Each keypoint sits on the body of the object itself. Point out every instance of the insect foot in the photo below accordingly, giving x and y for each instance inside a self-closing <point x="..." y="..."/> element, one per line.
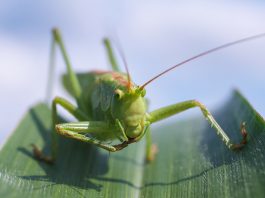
<point x="40" y="156"/>
<point x="121" y="146"/>
<point x="244" y="139"/>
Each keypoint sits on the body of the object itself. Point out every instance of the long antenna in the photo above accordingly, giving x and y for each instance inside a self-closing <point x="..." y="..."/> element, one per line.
<point x="202" y="54"/>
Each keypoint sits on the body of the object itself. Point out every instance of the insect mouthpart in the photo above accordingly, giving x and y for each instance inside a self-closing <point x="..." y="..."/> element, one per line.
<point x="134" y="131"/>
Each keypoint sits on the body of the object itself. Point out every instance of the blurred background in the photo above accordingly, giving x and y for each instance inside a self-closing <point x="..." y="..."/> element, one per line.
<point x="154" y="35"/>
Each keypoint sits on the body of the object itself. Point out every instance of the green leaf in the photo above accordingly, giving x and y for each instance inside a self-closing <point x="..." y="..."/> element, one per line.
<point x="191" y="162"/>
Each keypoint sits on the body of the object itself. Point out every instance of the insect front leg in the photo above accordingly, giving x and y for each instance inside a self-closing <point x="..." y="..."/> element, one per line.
<point x="171" y="110"/>
<point x="75" y="111"/>
<point x="79" y="131"/>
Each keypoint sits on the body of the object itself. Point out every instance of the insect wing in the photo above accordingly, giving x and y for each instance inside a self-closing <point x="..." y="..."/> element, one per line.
<point x="106" y="96"/>
<point x="85" y="80"/>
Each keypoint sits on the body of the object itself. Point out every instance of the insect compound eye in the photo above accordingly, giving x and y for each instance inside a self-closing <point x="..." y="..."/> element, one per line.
<point x="118" y="94"/>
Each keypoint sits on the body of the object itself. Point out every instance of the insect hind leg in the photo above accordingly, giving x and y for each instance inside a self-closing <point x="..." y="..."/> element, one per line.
<point x="111" y="57"/>
<point x="75" y="85"/>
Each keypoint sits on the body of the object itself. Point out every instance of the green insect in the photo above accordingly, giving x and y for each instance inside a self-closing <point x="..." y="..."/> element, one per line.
<point x="111" y="107"/>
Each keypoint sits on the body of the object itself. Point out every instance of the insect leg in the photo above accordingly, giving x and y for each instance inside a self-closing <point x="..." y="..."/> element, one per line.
<point x="78" y="131"/>
<point x="171" y="110"/>
<point x="151" y="149"/>
<point x="111" y="57"/>
<point x="76" y="112"/>
<point x="123" y="137"/>
<point x="74" y="83"/>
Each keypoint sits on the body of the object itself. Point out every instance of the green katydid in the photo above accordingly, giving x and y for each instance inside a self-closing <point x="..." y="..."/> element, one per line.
<point x="112" y="107"/>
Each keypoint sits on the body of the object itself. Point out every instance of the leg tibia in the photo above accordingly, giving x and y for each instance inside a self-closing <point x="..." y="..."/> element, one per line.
<point x="79" y="131"/>
<point x="84" y="138"/>
<point x="219" y="130"/>
<point x="72" y="76"/>
<point x="171" y="110"/>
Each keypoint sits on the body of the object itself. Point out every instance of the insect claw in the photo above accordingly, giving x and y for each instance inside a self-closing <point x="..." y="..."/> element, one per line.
<point x="243" y="130"/>
<point x="39" y="155"/>
<point x="121" y="146"/>
<point x="244" y="139"/>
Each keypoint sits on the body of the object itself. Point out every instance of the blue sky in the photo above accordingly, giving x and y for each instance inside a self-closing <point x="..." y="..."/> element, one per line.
<point x="154" y="36"/>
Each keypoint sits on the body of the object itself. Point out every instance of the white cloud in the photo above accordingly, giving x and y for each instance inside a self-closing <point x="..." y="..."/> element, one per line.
<point x="21" y="80"/>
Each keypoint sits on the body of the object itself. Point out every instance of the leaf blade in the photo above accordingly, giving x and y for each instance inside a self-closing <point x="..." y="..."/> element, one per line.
<point x="191" y="162"/>
<point x="204" y="167"/>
